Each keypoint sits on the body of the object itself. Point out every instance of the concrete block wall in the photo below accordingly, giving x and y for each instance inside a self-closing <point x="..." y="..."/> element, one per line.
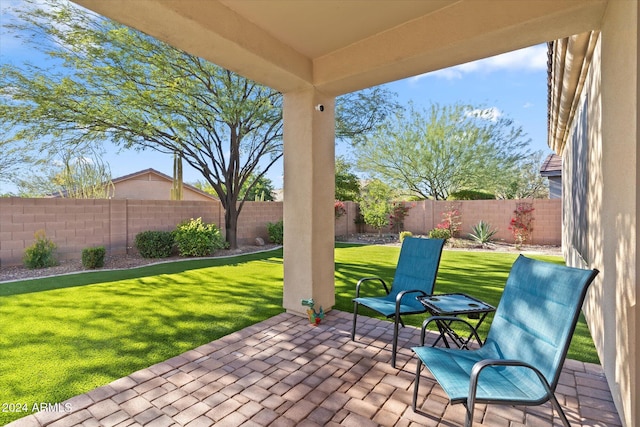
<point x="70" y="225"/>
<point x="75" y="224"/>
<point x="345" y="224"/>
<point x="425" y="215"/>
<point x="254" y="218"/>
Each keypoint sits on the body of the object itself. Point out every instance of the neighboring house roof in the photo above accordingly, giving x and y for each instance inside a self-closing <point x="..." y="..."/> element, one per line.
<point x="137" y="175"/>
<point x="552" y="166"/>
<point x="130" y="187"/>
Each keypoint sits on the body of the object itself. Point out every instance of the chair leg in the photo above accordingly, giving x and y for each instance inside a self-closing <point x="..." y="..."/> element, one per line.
<point x="558" y="408"/>
<point x="471" y="403"/>
<point x="416" y="385"/>
<point x="469" y="421"/>
<point x="355" y="317"/>
<point x="394" y="349"/>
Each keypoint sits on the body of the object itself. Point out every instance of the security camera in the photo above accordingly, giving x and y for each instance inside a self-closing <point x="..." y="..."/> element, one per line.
<point x="320" y="107"/>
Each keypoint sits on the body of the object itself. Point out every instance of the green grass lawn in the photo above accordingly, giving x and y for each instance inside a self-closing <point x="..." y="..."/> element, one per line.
<point x="66" y="335"/>
<point x="480" y="274"/>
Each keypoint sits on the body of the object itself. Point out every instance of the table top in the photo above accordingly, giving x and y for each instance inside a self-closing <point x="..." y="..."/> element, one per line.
<point x="454" y="304"/>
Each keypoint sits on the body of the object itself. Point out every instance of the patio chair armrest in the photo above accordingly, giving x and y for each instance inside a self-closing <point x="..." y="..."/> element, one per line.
<point x="403" y="293"/>
<point x="425" y="324"/>
<point x="367" y="279"/>
<point x="479" y="366"/>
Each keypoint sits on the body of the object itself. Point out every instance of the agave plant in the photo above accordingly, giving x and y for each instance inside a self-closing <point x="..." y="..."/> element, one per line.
<point x="482" y="233"/>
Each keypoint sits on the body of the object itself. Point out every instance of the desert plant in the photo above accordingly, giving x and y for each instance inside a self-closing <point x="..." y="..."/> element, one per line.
<point x="482" y="233"/>
<point x="42" y="253"/>
<point x="399" y="212"/>
<point x="155" y="244"/>
<point x="521" y="224"/>
<point x="339" y="209"/>
<point x="275" y="230"/>
<point x="404" y="234"/>
<point x="440" y="233"/>
<point x="358" y="220"/>
<point x="93" y="257"/>
<point x="451" y="220"/>
<point x="196" y="238"/>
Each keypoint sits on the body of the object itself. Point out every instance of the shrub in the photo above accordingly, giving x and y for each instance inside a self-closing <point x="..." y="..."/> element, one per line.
<point x="375" y="205"/>
<point x="451" y="220"/>
<point x="93" y="257"/>
<point x="482" y="233"/>
<point x="399" y="212"/>
<point x="358" y="220"/>
<point x="339" y="209"/>
<point x="521" y="224"/>
<point x="42" y="253"/>
<point x="276" y="232"/>
<point x="471" y="195"/>
<point x="195" y="238"/>
<point x="440" y="233"/>
<point x="404" y="234"/>
<point x="155" y="244"/>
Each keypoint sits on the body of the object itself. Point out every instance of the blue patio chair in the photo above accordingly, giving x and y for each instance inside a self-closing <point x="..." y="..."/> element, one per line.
<point x="527" y="343"/>
<point x="415" y="275"/>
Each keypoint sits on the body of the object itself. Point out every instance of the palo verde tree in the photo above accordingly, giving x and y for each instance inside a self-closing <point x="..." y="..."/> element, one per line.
<point x="13" y="158"/>
<point x="108" y="81"/>
<point x="71" y="174"/>
<point x="435" y="152"/>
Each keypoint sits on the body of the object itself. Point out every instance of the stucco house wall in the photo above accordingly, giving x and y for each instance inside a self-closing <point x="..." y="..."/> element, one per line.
<point x="600" y="201"/>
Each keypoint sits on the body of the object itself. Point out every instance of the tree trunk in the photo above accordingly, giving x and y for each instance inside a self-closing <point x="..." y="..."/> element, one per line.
<point x="231" y="225"/>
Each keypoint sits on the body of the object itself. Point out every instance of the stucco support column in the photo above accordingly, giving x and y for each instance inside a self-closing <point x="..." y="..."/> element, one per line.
<point x="309" y="158"/>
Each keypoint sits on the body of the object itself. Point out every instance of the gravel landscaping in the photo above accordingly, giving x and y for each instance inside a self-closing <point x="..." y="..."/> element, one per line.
<point x="11" y="273"/>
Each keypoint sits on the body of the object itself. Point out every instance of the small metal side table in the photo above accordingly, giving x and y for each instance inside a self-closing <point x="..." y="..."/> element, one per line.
<point x="447" y="307"/>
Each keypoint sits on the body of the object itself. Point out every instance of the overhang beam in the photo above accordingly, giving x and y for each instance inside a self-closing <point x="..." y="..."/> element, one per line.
<point x="436" y="38"/>
<point x="212" y="31"/>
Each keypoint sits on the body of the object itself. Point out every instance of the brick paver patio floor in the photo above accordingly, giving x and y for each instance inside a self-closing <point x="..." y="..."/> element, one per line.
<point x="285" y="372"/>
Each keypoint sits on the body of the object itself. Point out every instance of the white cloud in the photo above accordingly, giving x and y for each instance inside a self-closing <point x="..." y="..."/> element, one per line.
<point x="525" y="60"/>
<point x="491" y="114"/>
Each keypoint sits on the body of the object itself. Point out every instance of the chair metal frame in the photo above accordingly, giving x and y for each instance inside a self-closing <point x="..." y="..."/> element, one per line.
<point x="436" y="245"/>
<point x="474" y="376"/>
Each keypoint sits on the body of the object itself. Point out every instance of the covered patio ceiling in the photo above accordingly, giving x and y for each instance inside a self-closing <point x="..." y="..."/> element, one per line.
<point x="340" y="46"/>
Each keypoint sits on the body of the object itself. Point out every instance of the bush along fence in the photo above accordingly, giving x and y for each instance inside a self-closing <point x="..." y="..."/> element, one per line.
<point x="73" y="225"/>
<point x="536" y="221"/>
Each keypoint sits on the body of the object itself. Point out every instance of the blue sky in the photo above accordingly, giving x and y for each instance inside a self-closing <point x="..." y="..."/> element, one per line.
<point x="512" y="85"/>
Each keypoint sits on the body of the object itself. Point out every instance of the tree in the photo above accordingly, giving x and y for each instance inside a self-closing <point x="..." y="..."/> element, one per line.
<point x="262" y="191"/>
<point x="74" y="175"/>
<point x="13" y="159"/>
<point x="375" y="204"/>
<point x="108" y="81"/>
<point x="347" y="182"/>
<point x="434" y="152"/>
<point x="524" y="180"/>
